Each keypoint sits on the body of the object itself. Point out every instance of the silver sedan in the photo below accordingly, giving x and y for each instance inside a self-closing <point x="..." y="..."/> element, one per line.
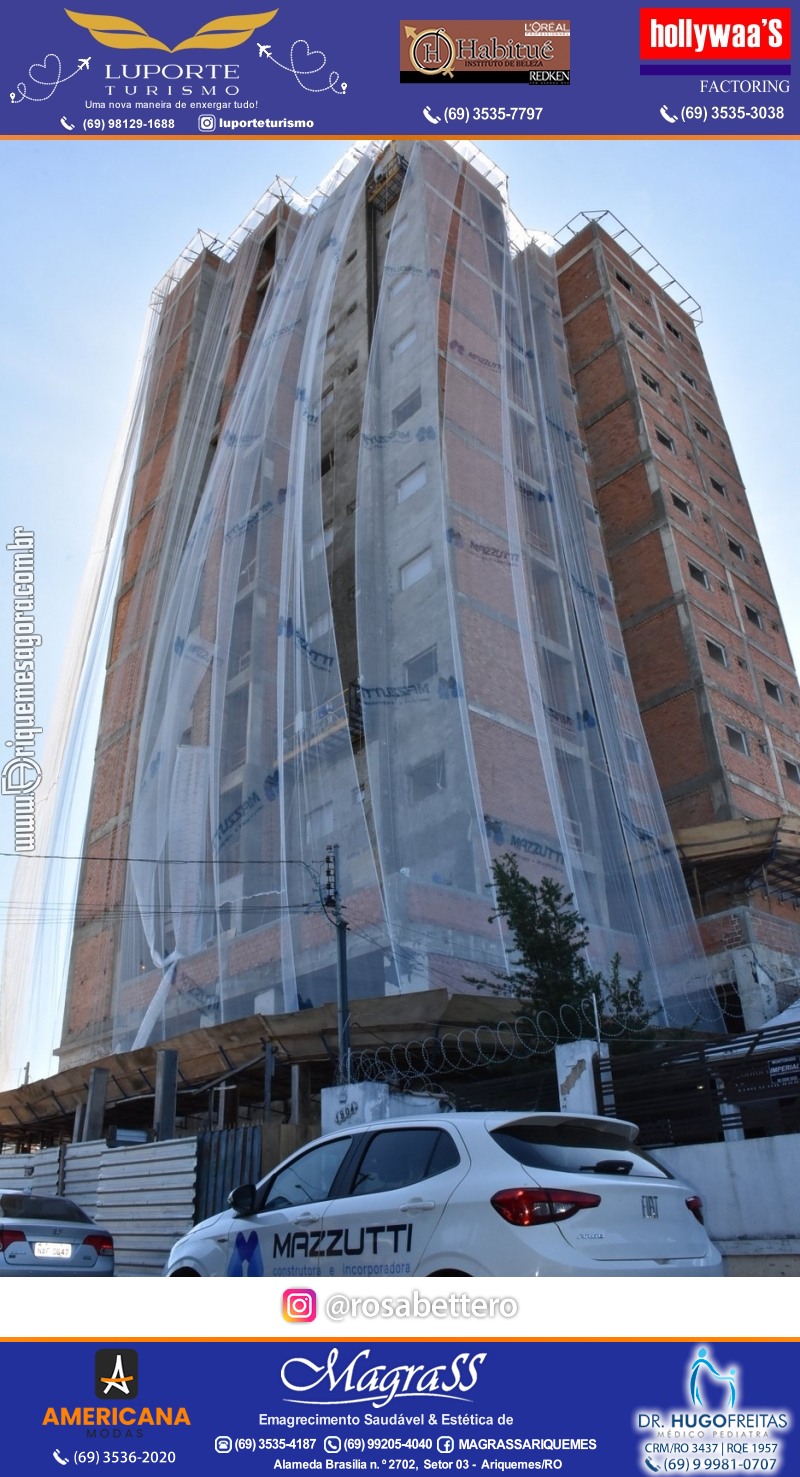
<point x="49" y="1236"/>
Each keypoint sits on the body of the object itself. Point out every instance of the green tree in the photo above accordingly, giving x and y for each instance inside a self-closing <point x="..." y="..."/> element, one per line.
<point x="550" y="969"/>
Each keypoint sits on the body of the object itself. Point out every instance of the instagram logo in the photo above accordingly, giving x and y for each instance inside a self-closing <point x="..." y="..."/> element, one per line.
<point x="206" y="123"/>
<point x="299" y="1305"/>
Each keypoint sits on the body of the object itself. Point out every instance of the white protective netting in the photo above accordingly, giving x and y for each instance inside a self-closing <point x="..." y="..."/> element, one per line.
<point x="466" y="696"/>
<point x="520" y="733"/>
<point x="244" y="746"/>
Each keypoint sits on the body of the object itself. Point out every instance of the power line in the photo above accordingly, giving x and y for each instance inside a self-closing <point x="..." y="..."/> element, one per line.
<point x="82" y="856"/>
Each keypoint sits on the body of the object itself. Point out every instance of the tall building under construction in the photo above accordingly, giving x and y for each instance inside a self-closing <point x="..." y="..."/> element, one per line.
<point x="436" y="551"/>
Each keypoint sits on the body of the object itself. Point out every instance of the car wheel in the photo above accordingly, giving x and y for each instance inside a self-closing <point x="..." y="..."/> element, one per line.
<point x="185" y="1272"/>
<point x="449" y="1272"/>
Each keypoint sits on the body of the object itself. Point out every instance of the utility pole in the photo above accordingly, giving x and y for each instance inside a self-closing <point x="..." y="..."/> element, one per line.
<point x="333" y="904"/>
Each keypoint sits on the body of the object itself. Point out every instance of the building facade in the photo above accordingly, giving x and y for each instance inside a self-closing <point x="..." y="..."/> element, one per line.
<point x="365" y="603"/>
<point x="708" y="653"/>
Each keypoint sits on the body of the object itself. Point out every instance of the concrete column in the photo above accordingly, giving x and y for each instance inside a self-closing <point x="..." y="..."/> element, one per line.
<point x="165" y="1096"/>
<point x="575" y="1075"/>
<point x="95" y="1104"/>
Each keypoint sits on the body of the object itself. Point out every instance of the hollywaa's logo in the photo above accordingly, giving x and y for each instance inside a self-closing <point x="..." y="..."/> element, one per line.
<point x="126" y="35"/>
<point x="716" y="33"/>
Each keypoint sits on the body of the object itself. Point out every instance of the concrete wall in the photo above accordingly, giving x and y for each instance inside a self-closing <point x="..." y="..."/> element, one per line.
<point x="751" y="1193"/>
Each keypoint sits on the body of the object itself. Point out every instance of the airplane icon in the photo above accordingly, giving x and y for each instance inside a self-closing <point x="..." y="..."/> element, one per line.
<point x="263" y="50"/>
<point x="83" y="62"/>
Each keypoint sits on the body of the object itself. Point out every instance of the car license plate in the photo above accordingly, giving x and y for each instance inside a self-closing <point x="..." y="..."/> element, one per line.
<point x="52" y="1248"/>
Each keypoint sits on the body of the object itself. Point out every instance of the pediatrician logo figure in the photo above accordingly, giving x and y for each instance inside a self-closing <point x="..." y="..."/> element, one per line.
<point x="702" y="1366"/>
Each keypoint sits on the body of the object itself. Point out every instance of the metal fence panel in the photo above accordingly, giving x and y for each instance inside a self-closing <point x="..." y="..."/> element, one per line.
<point x="145" y="1198"/>
<point x="225" y="1158"/>
<point x="30" y="1172"/>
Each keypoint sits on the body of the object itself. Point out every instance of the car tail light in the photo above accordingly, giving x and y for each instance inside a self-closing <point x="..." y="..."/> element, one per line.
<point x="695" y="1205"/>
<point x="538" y="1207"/>
<point x="7" y="1237"/>
<point x="103" y="1245"/>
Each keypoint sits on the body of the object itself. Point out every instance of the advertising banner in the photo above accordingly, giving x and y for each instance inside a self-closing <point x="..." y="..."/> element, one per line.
<point x="381" y="1406"/>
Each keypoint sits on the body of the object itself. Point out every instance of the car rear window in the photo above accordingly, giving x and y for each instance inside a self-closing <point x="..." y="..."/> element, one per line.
<point x="576" y="1148"/>
<point x="398" y="1157"/>
<point x="40" y="1208"/>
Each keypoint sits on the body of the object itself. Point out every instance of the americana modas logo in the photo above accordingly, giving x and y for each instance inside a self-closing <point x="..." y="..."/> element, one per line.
<point x="127" y="35"/>
<point x="116" y="1374"/>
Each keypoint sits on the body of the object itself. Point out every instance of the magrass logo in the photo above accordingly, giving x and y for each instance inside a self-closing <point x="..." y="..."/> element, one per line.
<point x="116" y="1374"/>
<point x="127" y="35"/>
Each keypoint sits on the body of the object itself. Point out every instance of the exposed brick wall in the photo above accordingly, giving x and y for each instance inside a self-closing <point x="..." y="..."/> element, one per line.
<point x="676" y="742"/>
<point x="627" y="336"/>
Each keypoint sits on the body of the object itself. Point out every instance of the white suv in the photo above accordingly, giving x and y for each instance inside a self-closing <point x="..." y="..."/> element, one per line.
<point x="461" y="1194"/>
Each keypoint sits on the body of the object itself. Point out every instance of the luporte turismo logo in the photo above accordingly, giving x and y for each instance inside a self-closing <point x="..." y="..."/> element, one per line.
<point x="122" y="34"/>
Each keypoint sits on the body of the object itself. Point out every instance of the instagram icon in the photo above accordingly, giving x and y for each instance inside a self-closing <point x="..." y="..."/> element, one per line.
<point x="299" y="1305"/>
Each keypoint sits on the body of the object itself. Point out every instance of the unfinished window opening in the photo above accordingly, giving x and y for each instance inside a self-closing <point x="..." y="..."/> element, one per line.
<point x="427" y="778"/>
<point x="403" y="343"/>
<point x="416" y="569"/>
<point x="411" y="482"/>
<point x="406" y="409"/>
<point x="422" y="667"/>
<point x="737" y="739"/>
